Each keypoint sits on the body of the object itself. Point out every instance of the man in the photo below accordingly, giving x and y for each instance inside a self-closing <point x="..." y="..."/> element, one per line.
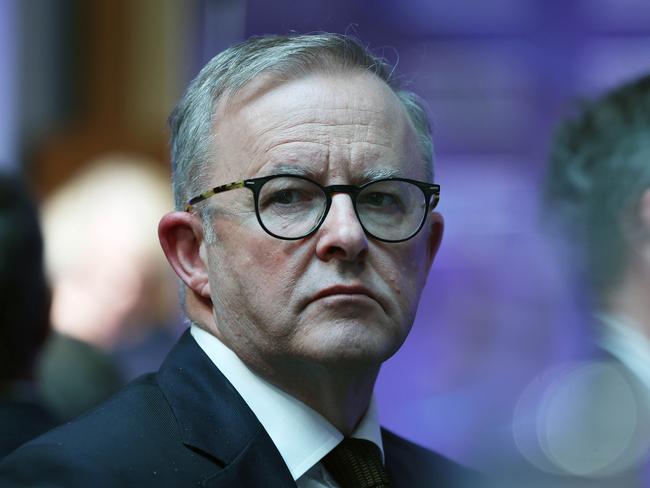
<point x="24" y="308"/>
<point x="599" y="188"/>
<point x="303" y="235"/>
<point x="592" y="423"/>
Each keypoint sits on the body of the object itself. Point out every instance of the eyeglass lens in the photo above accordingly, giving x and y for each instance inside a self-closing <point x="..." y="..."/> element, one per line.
<point x="292" y="207"/>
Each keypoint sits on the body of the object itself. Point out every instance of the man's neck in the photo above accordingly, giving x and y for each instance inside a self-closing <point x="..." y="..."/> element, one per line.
<point x="631" y="299"/>
<point x="340" y="394"/>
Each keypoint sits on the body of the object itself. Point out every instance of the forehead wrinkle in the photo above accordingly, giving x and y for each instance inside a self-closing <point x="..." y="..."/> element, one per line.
<point x="326" y="157"/>
<point x="319" y="113"/>
<point x="314" y="115"/>
<point x="361" y="146"/>
<point x="322" y="134"/>
<point x="374" y="152"/>
<point x="298" y="155"/>
<point x="317" y="128"/>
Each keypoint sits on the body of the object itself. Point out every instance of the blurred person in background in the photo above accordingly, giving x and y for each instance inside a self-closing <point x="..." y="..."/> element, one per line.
<point x="24" y="320"/>
<point x="303" y="234"/>
<point x="591" y="420"/>
<point x="113" y="309"/>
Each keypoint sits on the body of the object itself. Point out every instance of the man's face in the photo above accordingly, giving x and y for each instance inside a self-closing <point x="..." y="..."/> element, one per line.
<point x="337" y="295"/>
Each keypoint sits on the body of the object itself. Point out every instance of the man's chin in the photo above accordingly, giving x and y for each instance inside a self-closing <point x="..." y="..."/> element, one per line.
<point x="346" y="343"/>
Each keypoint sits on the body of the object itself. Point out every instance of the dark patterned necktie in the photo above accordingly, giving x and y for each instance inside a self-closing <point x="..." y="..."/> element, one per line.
<point x="356" y="463"/>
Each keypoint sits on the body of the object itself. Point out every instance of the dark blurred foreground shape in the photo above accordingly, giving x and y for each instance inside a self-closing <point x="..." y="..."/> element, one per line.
<point x="587" y="423"/>
<point x="24" y="311"/>
<point x="97" y="80"/>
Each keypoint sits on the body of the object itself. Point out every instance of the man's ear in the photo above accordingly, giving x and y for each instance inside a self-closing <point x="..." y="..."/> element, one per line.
<point x="181" y="238"/>
<point x="437" y="229"/>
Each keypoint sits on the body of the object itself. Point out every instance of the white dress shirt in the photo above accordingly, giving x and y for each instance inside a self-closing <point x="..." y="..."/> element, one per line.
<point x="302" y="436"/>
<point x="623" y="339"/>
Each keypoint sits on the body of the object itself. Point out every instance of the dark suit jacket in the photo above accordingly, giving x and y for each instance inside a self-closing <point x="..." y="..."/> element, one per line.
<point x="184" y="426"/>
<point x="21" y="421"/>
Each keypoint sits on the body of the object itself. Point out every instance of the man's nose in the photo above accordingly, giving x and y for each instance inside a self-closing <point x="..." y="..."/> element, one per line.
<point x="341" y="235"/>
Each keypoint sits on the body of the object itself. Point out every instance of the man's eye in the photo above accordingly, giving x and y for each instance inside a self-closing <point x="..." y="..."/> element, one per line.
<point x="378" y="199"/>
<point x="288" y="197"/>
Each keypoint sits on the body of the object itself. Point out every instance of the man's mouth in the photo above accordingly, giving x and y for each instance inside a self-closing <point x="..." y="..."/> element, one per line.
<point x="344" y="291"/>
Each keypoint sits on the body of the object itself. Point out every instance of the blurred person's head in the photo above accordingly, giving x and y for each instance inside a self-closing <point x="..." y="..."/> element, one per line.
<point x="598" y="185"/>
<point x="24" y="294"/>
<point x="109" y="279"/>
<point x="589" y="418"/>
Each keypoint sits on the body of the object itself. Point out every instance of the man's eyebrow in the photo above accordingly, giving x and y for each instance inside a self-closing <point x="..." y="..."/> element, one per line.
<point x="367" y="175"/>
<point x="371" y="174"/>
<point x="290" y="169"/>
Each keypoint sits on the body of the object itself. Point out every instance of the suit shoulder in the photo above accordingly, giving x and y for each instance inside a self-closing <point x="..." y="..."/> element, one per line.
<point x="416" y="466"/>
<point x="122" y="416"/>
<point x="130" y="411"/>
<point x="21" y="421"/>
<point x="131" y="438"/>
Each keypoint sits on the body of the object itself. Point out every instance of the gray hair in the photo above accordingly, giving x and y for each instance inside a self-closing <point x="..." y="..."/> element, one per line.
<point x="599" y="169"/>
<point x="287" y="57"/>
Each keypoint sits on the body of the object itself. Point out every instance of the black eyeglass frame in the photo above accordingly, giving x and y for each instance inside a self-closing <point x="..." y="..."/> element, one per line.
<point x="255" y="185"/>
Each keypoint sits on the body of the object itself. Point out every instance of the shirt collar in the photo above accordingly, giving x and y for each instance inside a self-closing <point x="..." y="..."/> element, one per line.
<point x="622" y="338"/>
<point x="303" y="436"/>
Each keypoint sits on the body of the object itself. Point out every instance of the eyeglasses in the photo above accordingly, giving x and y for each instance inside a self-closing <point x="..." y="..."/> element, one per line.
<point x="292" y="207"/>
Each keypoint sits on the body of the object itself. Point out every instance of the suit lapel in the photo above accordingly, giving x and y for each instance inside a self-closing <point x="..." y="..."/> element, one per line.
<point x="214" y="419"/>
<point x="254" y="468"/>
